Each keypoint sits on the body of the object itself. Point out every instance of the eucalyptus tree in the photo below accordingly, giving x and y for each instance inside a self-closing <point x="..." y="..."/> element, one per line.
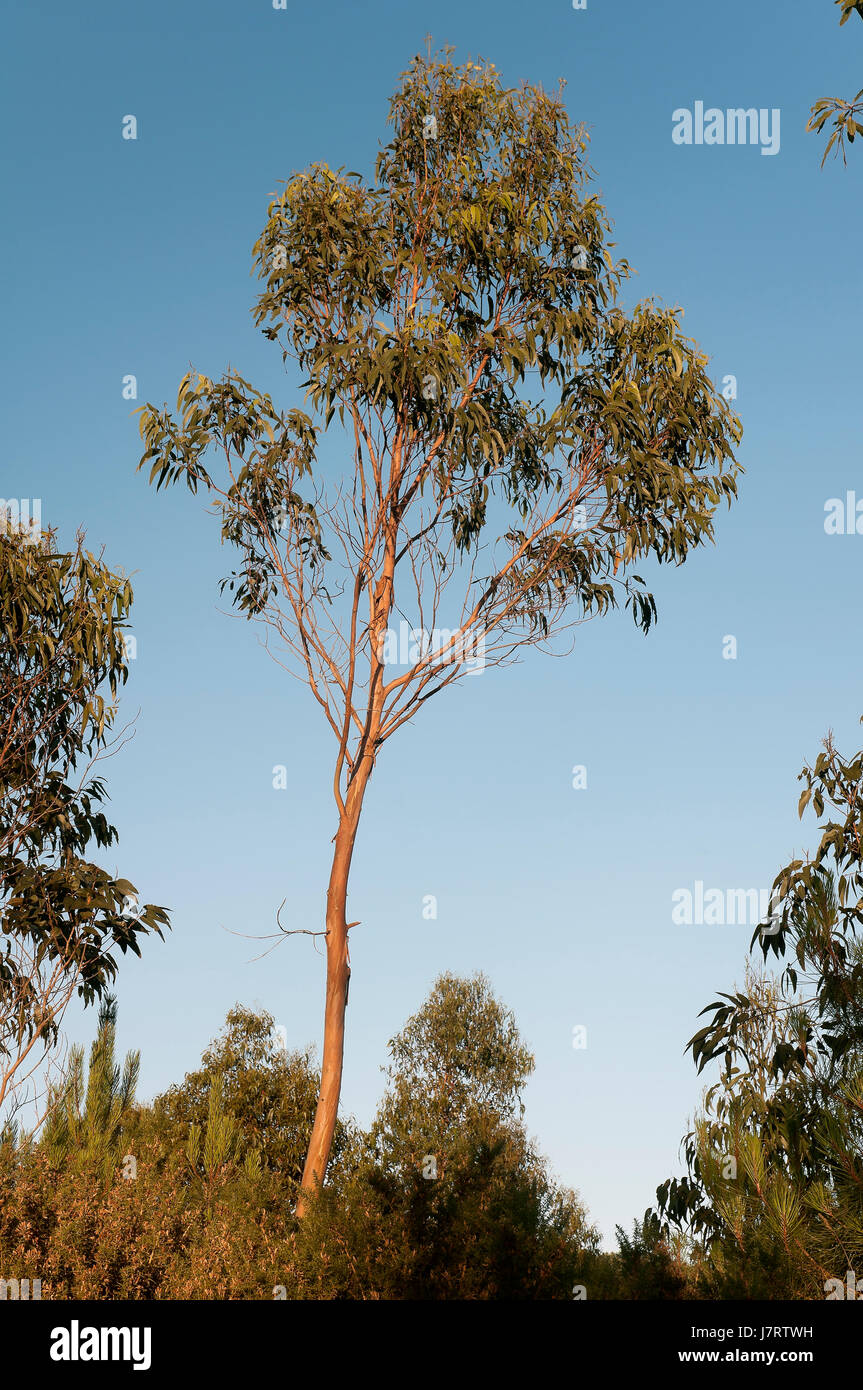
<point x="514" y="442"/>
<point x="64" y="919"/>
<point x="788" y="1107"/>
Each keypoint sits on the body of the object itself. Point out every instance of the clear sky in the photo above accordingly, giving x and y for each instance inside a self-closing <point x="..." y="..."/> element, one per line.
<point x="134" y="256"/>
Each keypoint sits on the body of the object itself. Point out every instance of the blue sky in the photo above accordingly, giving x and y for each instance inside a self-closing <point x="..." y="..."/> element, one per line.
<point x="134" y="257"/>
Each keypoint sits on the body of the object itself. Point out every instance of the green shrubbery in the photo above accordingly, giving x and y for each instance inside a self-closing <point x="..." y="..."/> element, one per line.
<point x="193" y="1196"/>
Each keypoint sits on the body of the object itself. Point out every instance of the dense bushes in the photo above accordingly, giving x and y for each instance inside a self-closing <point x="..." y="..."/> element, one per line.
<point x="444" y="1197"/>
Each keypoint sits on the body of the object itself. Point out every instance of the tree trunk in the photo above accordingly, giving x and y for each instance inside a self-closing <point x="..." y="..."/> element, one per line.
<point x="338" y="974"/>
<point x="338" y="970"/>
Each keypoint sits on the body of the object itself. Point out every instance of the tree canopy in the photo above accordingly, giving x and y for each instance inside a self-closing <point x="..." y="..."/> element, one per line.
<point x="65" y="919"/>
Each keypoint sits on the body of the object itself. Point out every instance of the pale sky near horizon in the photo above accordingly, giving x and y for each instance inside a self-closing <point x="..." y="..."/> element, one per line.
<point x="134" y="257"/>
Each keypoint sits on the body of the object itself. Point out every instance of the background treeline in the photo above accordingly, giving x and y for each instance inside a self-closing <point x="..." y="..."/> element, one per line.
<point x="193" y="1196"/>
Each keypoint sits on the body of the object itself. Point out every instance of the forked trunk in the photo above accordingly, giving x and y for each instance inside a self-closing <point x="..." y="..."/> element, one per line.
<point x="338" y="970"/>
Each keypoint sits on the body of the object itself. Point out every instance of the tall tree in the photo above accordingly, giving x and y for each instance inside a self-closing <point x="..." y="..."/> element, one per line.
<point x="64" y="919"/>
<point x="515" y="442"/>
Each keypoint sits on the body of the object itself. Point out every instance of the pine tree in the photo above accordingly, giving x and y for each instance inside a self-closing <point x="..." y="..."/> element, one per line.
<point x="84" y="1125"/>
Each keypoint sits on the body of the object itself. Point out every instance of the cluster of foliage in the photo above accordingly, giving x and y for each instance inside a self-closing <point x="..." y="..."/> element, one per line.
<point x="194" y="1195"/>
<point x="63" y="918"/>
<point x="844" y="113"/>
<point x="773" y="1197"/>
